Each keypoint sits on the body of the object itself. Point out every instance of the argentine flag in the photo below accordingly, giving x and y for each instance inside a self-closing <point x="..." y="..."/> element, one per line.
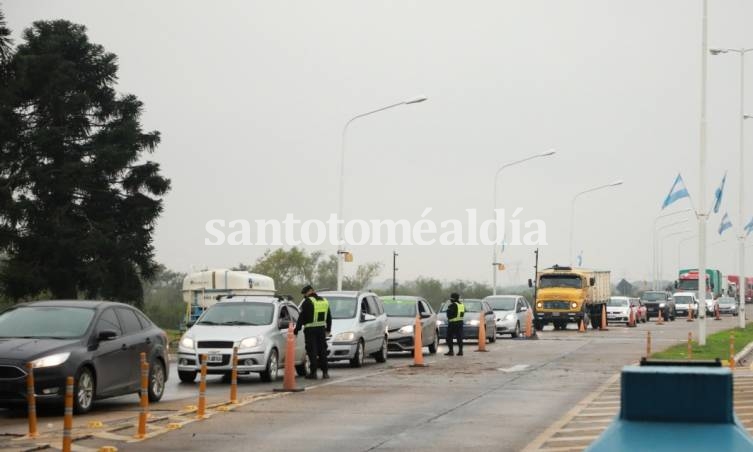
<point x="580" y="259"/>
<point x="718" y="194"/>
<point x="725" y="224"/>
<point x="678" y="191"/>
<point x="749" y="227"/>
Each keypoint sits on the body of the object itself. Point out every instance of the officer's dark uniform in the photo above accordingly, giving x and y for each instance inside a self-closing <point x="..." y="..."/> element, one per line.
<point x="455" y="313"/>
<point x="316" y="321"/>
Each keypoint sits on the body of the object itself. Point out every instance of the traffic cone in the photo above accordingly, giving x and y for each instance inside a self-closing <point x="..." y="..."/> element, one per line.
<point x="631" y="319"/>
<point x="690" y="313"/>
<point x="604" y="318"/>
<point x="660" y="320"/>
<point x="418" y="345"/>
<point x="718" y="315"/>
<point x="582" y="326"/>
<point x="529" y="325"/>
<point x="288" y="381"/>
<point x="482" y="332"/>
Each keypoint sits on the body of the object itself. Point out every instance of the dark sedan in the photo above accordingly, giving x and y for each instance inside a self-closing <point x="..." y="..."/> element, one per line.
<point x="97" y="342"/>
<point x="401" y="316"/>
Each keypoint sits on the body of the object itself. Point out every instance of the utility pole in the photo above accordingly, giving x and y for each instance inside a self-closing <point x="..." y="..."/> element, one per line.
<point x="394" y="272"/>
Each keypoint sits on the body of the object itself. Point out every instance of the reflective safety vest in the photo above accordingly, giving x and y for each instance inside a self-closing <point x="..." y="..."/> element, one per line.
<point x="320" y="312"/>
<point x="459" y="316"/>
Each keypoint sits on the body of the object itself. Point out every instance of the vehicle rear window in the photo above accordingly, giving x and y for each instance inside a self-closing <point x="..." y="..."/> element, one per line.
<point x="37" y="322"/>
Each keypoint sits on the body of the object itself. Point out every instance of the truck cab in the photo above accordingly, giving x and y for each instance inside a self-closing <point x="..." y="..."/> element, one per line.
<point x="570" y="295"/>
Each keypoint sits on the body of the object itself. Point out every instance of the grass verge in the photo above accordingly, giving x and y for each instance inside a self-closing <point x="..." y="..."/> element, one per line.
<point x="717" y="345"/>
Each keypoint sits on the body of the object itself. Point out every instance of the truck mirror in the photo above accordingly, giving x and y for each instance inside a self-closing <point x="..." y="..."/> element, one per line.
<point x="530" y="282"/>
<point x="592" y="281"/>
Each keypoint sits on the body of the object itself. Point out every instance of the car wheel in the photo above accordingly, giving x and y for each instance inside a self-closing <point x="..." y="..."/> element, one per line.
<point x="381" y="355"/>
<point x="273" y="366"/>
<point x="187" y="376"/>
<point x="304" y="368"/>
<point x="516" y="332"/>
<point x="83" y="390"/>
<point x="357" y="360"/>
<point x="434" y="345"/>
<point x="157" y="380"/>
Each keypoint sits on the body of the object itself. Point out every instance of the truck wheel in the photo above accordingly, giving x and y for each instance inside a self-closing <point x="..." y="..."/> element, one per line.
<point x="539" y="325"/>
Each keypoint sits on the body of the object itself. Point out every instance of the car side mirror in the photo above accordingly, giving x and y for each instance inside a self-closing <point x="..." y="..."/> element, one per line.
<point x="107" y="335"/>
<point x="284" y="324"/>
<point x="425" y="315"/>
<point x="190" y="323"/>
<point x="523" y="308"/>
<point x="530" y="282"/>
<point x="367" y="318"/>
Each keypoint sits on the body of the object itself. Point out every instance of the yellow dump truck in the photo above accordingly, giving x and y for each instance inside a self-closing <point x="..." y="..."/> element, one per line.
<point x="567" y="295"/>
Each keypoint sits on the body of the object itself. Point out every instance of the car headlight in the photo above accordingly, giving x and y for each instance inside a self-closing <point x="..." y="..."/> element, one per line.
<point x="250" y="342"/>
<point x="344" y="337"/>
<point x="661" y="305"/>
<point x="51" y="361"/>
<point x="440" y="322"/>
<point x="407" y="329"/>
<point x="510" y="316"/>
<point x="539" y="305"/>
<point x="473" y="322"/>
<point x="574" y="305"/>
<point x="187" y="342"/>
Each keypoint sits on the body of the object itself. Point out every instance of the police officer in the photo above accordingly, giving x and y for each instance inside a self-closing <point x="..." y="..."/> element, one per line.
<point x="316" y="320"/>
<point x="455" y="313"/>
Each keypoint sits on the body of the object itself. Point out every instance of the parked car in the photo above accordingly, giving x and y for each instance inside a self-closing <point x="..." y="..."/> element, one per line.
<point x="656" y="300"/>
<point x="641" y="313"/>
<point x="711" y="305"/>
<point x="401" y="318"/>
<point x="618" y="309"/>
<point x="510" y="313"/>
<point x="359" y="327"/>
<point x="97" y="342"/>
<point x="473" y="308"/>
<point x="728" y="305"/>
<point x="256" y="324"/>
<point x="685" y="301"/>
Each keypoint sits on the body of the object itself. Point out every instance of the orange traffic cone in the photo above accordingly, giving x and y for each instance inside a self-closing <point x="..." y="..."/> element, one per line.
<point x="418" y="344"/>
<point x="529" y="325"/>
<point x="582" y="326"/>
<point x="631" y="319"/>
<point x="604" y="318"/>
<point x="482" y="332"/>
<point x="288" y="381"/>
<point x="660" y="320"/>
<point x="690" y="313"/>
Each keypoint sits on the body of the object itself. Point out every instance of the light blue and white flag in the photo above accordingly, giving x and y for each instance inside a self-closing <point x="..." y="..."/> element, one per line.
<point x="580" y="258"/>
<point x="678" y="191"/>
<point x="749" y="227"/>
<point x="725" y="224"/>
<point x="719" y="193"/>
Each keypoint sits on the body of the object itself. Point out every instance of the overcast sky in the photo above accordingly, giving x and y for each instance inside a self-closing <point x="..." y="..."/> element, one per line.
<point x="251" y="98"/>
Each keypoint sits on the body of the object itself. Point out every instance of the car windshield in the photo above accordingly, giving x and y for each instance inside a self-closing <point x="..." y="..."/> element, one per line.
<point x="653" y="296"/>
<point x="683" y="299"/>
<point x="502" y="303"/>
<point x="470" y="306"/>
<point x="571" y="281"/>
<point x="726" y="300"/>
<point x="620" y="302"/>
<point x="238" y="313"/>
<point x="38" y="322"/>
<point x="399" y="308"/>
<point x="342" y="307"/>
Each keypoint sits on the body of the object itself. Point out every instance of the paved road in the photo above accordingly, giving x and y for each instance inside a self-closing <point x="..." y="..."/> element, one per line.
<point x="499" y="400"/>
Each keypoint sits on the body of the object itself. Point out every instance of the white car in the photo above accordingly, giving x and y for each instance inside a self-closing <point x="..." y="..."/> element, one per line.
<point x="510" y="313"/>
<point x="685" y="301"/>
<point x="256" y="325"/>
<point x="711" y="305"/>
<point x="618" y="310"/>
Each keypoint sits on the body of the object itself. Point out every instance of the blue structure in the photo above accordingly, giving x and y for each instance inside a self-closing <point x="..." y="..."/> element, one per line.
<point x="682" y="408"/>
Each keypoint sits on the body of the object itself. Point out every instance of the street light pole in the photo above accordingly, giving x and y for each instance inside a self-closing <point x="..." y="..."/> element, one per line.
<point x="494" y="213"/>
<point x="340" y="226"/>
<point x="394" y="273"/>
<point x="572" y="211"/>
<point x="743" y="117"/>
<point x="702" y="214"/>
<point x="655" y="269"/>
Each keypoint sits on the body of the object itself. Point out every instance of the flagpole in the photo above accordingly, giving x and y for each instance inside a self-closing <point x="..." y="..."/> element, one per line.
<point x="702" y="215"/>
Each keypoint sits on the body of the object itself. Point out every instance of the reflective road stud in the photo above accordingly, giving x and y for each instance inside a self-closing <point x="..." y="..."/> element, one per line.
<point x="31" y="400"/>
<point x="234" y="377"/>
<point x="418" y="344"/>
<point x="68" y="416"/>
<point x="141" y="432"/>
<point x="202" y="388"/>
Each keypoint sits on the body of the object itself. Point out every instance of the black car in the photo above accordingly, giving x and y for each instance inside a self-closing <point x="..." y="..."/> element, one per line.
<point x="656" y="300"/>
<point x="97" y="342"/>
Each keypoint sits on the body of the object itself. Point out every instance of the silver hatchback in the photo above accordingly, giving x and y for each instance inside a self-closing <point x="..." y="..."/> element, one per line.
<point x="257" y="325"/>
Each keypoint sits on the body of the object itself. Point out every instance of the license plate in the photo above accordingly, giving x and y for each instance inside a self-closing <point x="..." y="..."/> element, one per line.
<point x="555" y="314"/>
<point x="214" y="358"/>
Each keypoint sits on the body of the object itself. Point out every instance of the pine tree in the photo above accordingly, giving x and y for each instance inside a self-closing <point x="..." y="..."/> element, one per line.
<point x="78" y="202"/>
